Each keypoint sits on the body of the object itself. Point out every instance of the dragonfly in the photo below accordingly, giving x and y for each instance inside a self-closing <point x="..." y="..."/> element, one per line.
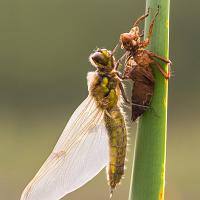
<point x="94" y="137"/>
<point x="138" y="65"/>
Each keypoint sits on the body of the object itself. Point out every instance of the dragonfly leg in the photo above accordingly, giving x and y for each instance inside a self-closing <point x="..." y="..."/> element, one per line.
<point x="165" y="74"/>
<point x="159" y="57"/>
<point x="124" y="94"/>
<point x="140" y="19"/>
<point x="147" y="40"/>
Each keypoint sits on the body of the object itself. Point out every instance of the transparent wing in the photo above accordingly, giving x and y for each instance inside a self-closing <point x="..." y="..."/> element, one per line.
<point x="80" y="154"/>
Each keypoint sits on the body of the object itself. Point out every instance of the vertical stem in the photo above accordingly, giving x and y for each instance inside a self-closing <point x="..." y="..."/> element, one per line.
<point x="148" y="176"/>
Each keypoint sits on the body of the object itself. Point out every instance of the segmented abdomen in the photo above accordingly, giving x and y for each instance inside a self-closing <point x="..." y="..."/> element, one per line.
<point x="117" y="134"/>
<point x="143" y="86"/>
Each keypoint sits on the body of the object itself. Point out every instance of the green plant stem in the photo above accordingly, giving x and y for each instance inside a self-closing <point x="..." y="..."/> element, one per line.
<point x="148" y="176"/>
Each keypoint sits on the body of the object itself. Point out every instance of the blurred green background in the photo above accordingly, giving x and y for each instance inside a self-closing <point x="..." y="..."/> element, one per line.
<point x="44" y="49"/>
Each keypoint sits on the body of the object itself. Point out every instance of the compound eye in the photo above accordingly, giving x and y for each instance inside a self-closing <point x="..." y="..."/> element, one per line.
<point x="99" y="58"/>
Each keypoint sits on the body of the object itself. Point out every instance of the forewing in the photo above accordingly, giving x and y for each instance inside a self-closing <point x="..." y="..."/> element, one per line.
<point x="80" y="154"/>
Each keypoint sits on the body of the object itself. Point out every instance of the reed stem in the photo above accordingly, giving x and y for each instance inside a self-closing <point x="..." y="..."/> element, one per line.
<point x="148" y="173"/>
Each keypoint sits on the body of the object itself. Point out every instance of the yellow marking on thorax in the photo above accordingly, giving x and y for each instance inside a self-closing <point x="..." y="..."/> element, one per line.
<point x="104" y="85"/>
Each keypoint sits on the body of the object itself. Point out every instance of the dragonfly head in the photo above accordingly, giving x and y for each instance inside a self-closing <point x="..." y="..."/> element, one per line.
<point x="130" y="41"/>
<point x="102" y="59"/>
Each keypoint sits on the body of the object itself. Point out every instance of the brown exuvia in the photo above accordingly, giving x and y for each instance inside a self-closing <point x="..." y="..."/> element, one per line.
<point x="137" y="66"/>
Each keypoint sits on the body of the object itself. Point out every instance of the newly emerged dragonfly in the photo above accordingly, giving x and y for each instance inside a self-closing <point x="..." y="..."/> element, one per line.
<point x="94" y="137"/>
<point x="138" y="66"/>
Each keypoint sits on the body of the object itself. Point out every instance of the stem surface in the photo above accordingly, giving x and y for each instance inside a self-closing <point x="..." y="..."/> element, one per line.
<point x="148" y="174"/>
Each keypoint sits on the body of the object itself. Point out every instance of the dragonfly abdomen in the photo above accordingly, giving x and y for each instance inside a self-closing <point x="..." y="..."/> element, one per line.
<point x="143" y="87"/>
<point x="117" y="134"/>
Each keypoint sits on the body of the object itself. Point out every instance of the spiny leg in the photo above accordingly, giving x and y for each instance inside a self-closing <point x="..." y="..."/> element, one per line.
<point x="152" y="23"/>
<point x="147" y="40"/>
<point x="165" y="74"/>
<point x="140" y="19"/>
<point x="123" y="93"/>
<point x="158" y="57"/>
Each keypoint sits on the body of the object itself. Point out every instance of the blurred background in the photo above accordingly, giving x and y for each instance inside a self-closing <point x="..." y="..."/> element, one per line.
<point x="44" y="49"/>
